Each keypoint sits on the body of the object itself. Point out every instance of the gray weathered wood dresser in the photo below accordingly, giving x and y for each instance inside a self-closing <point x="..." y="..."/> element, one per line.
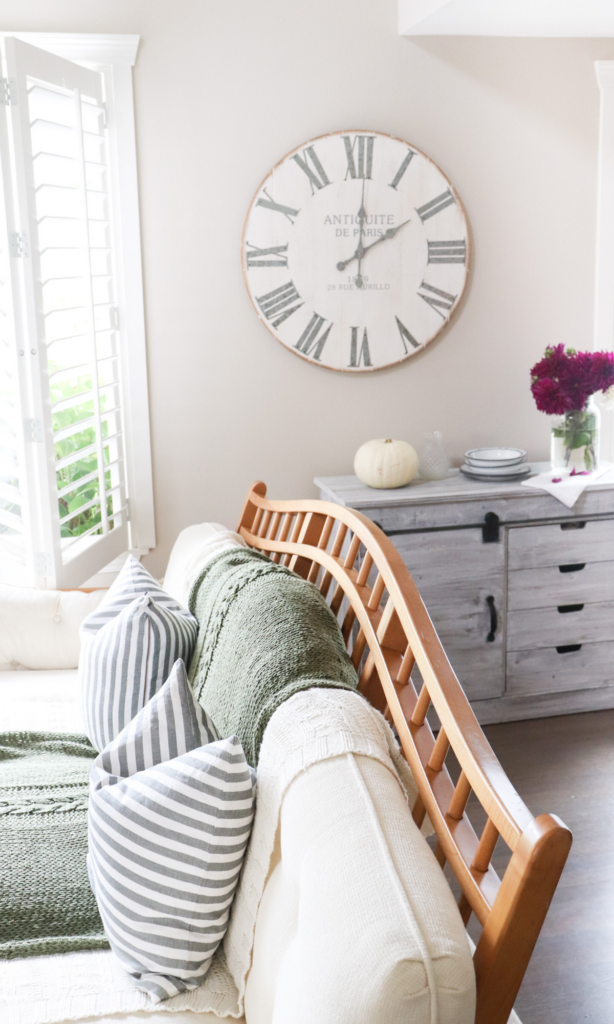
<point x="519" y="587"/>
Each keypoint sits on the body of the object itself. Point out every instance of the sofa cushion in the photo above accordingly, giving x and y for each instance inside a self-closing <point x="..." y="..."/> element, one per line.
<point x="40" y="628"/>
<point x="129" y="646"/>
<point x="171" y="809"/>
<point x="194" y="547"/>
<point x="40" y="701"/>
<point x="357" y="924"/>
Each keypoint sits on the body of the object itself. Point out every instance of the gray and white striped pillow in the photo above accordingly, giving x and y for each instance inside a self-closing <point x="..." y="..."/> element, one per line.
<point x="171" y="809"/>
<point x="128" y="646"/>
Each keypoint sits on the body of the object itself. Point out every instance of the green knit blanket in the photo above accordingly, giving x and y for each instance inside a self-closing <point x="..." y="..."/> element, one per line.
<point x="264" y="635"/>
<point x="46" y="904"/>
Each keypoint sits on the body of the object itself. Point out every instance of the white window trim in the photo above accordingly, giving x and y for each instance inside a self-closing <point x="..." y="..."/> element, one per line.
<point x="604" y="267"/>
<point x="114" y="55"/>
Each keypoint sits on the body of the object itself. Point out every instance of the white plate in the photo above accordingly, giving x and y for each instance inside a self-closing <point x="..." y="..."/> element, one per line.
<point x="493" y="458"/>
<point x="503" y="474"/>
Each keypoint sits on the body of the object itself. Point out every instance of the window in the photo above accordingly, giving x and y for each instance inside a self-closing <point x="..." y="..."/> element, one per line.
<point x="604" y="268"/>
<point x="75" y="465"/>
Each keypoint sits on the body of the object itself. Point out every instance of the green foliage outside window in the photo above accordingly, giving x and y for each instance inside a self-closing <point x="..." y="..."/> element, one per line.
<point x="81" y="495"/>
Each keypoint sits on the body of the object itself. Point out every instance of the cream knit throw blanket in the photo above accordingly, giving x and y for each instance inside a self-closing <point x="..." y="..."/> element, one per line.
<point x="310" y="727"/>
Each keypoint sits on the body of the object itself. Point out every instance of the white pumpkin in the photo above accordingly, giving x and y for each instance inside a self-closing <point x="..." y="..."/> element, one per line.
<point x="386" y="463"/>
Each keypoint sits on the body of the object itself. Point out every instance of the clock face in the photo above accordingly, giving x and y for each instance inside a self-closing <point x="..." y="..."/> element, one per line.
<point x="355" y="251"/>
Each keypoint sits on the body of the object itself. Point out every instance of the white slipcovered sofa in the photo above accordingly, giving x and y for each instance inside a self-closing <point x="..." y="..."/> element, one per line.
<point x="356" y="924"/>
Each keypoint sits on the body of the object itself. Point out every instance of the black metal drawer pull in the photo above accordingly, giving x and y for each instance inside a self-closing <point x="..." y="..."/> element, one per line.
<point x="565" y="609"/>
<point x="490" y="530"/>
<point x="568" y="648"/>
<point x="573" y="526"/>
<point x="573" y="567"/>
<point x="493" y="619"/>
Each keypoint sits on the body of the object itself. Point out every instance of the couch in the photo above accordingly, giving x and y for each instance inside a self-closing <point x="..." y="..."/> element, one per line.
<point x="356" y="922"/>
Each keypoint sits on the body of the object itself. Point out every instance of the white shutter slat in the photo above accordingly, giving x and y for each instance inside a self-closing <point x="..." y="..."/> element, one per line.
<point x="61" y="155"/>
<point x="15" y="523"/>
<point x="82" y="481"/>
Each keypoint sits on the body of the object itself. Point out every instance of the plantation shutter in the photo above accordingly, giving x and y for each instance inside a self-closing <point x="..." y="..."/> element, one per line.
<point x="13" y="542"/>
<point x="62" y="481"/>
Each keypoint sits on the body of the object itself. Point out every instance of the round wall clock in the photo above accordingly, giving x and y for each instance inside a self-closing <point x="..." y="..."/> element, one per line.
<point x="355" y="251"/>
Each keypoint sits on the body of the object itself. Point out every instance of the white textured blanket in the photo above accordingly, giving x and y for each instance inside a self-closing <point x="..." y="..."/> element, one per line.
<point x="312" y="726"/>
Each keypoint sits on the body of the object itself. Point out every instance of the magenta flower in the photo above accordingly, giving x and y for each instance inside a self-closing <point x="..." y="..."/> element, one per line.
<point x="549" y="397"/>
<point x="564" y="380"/>
<point x="552" y="363"/>
<point x="603" y="370"/>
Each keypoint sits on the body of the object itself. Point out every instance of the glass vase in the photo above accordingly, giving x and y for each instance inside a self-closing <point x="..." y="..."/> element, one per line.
<point x="434" y="463"/>
<point x="575" y="439"/>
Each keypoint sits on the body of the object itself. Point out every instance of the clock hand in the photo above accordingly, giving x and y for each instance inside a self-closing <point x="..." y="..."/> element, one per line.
<point x="361" y="251"/>
<point x="362" y="215"/>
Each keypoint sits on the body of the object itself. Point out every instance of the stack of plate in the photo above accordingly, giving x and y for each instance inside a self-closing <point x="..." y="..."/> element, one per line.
<point x="496" y="464"/>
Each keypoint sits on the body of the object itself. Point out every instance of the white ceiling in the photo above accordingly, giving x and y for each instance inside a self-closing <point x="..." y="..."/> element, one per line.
<point x="506" y="18"/>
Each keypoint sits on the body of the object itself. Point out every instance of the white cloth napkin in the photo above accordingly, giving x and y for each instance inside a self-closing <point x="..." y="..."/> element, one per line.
<point x="565" y="487"/>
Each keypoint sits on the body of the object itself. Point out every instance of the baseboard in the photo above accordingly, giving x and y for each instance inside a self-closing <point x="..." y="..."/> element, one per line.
<point x="543" y="705"/>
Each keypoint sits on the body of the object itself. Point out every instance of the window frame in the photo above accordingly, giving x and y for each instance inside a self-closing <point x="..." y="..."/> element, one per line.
<point x="603" y="333"/>
<point x="113" y="55"/>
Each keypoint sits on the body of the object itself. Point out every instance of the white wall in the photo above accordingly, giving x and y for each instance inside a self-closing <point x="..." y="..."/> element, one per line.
<point x="223" y="89"/>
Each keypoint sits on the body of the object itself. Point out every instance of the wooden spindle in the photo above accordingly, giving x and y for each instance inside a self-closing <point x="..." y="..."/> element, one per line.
<point x="486" y="847"/>
<point x="359" y="647"/>
<point x="440" y="752"/>
<point x="256" y="522"/>
<point x="376" y="594"/>
<point x="350" y="558"/>
<point x="348" y="622"/>
<point x="338" y="596"/>
<point x="298" y="525"/>
<point x="460" y="798"/>
<point x="422" y="705"/>
<point x="264" y="523"/>
<point x="365" y="569"/>
<point x="275" y="521"/>
<point x="326" y="532"/>
<point x="283" y="534"/>
<point x="406" y="668"/>
<point x="339" y="539"/>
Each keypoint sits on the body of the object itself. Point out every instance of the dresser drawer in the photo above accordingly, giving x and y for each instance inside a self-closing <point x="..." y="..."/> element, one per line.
<point x="480" y="671"/>
<point x="449" y="556"/>
<point x="549" y="627"/>
<point x="462" y="614"/>
<point x="463" y="619"/>
<point x="575" y="583"/>
<point x="547" y="670"/>
<point x="531" y="547"/>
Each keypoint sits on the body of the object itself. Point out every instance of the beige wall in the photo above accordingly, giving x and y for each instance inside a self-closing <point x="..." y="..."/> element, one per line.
<point x="223" y="89"/>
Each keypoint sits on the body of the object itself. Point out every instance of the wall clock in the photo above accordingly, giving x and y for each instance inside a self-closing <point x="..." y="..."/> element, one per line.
<point x="355" y="251"/>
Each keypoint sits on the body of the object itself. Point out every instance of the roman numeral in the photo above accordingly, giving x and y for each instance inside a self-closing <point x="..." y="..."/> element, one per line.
<point x="436" y="205"/>
<point x="362" y="166"/>
<point x="270" y="204"/>
<point x="448" y="252"/>
<point x="437" y="299"/>
<point x="406" y="336"/>
<point x="363" y="354"/>
<point x="309" y="340"/>
<point x="317" y="175"/>
<point x="255" y="257"/>
<point x="401" y="171"/>
<point x="276" y="303"/>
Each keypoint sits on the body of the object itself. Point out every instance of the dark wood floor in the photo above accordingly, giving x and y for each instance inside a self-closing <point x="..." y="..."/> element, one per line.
<point x="565" y="766"/>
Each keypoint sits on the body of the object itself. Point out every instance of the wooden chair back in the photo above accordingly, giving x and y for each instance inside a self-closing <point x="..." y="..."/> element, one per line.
<point x="388" y="631"/>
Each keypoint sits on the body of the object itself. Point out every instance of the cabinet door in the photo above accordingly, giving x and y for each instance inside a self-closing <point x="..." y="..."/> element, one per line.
<point x="461" y="581"/>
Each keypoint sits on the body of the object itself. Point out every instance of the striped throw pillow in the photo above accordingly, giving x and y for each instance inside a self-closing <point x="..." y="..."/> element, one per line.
<point x="128" y="647"/>
<point x="170" y="814"/>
